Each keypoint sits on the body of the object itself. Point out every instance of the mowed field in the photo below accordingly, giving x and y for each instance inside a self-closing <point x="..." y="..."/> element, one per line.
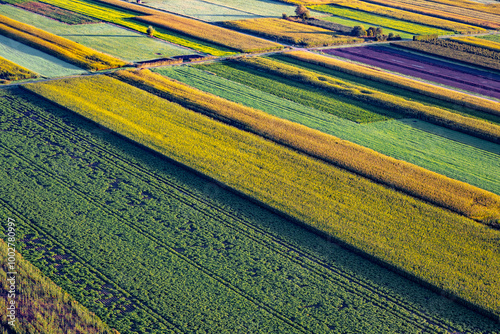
<point x="35" y="60"/>
<point x="206" y="251"/>
<point x="474" y="161"/>
<point x="111" y="39"/>
<point x="477" y="81"/>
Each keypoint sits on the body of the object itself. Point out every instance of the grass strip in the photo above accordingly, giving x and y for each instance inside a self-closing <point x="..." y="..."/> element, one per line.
<point x="290" y="32"/>
<point x="56" y="311"/>
<point x="407" y="16"/>
<point x="59" y="47"/>
<point x="473" y="127"/>
<point x="10" y="71"/>
<point x="451" y="252"/>
<point x="366" y="72"/>
<point x="377" y="20"/>
<point x="457" y="196"/>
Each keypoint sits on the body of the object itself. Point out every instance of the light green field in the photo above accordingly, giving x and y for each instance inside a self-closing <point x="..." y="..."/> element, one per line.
<point x="399" y="139"/>
<point x="224" y="10"/>
<point x="35" y="60"/>
<point x="413" y="28"/>
<point x="494" y="38"/>
<point x="125" y="44"/>
<point x="353" y="23"/>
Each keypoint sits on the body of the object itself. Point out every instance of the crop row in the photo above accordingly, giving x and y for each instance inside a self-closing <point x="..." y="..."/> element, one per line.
<point x="474" y="127"/>
<point x="432" y="187"/>
<point x="407" y="16"/>
<point x="476" y="6"/>
<point x="36" y="294"/>
<point x="437" y="12"/>
<point x="290" y="32"/>
<point x="417" y="238"/>
<point x="454" y="51"/>
<point x="268" y="267"/>
<point x="483" y="43"/>
<point x="377" y="20"/>
<point x="479" y="82"/>
<point x="57" y="46"/>
<point x="123" y="17"/>
<point x="56" y="13"/>
<point x="12" y="72"/>
<point x="419" y="87"/>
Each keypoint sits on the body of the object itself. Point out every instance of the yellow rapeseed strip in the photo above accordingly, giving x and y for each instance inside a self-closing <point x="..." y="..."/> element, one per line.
<point x="471" y="126"/>
<point x="10" y="71"/>
<point x="439" y="247"/>
<point x="437" y="92"/>
<point x="490" y="45"/>
<point x="290" y="32"/>
<point x="59" y="47"/>
<point x="409" y="16"/>
<point x="460" y="197"/>
<point x="210" y="33"/>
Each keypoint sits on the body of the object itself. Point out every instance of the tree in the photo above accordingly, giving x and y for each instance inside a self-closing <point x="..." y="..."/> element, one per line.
<point x="150" y="31"/>
<point x="379" y="31"/>
<point x="358" y="31"/>
<point x="302" y="12"/>
<point x="370" y="32"/>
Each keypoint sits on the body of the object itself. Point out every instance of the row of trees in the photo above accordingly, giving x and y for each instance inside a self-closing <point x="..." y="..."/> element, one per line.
<point x="377" y="33"/>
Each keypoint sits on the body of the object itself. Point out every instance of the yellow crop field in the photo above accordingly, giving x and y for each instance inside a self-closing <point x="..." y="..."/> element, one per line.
<point x="410" y="17"/>
<point x="290" y="32"/>
<point x="11" y="72"/>
<point x="441" y="93"/>
<point x="487" y="8"/>
<point x="490" y="45"/>
<point x="59" y="47"/>
<point x="421" y="183"/>
<point x="413" y="6"/>
<point x="210" y="33"/>
<point x="474" y="127"/>
<point x="419" y="239"/>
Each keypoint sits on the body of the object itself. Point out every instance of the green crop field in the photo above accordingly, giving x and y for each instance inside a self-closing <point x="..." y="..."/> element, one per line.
<point x="473" y="161"/>
<point x="107" y="38"/>
<point x="353" y="23"/>
<point x="413" y="28"/>
<point x="494" y="38"/>
<point x="153" y="248"/>
<point x="35" y="60"/>
<point x="410" y="95"/>
<point x="421" y="240"/>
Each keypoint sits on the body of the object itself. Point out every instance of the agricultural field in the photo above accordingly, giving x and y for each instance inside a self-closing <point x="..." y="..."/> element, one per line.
<point x="377" y="20"/>
<point x="461" y="77"/>
<point x="474" y="161"/>
<point x="454" y="51"/>
<point x="207" y="250"/>
<point x="317" y="194"/>
<point x="35" y="60"/>
<point x="59" y="313"/>
<point x="12" y="72"/>
<point x="407" y="16"/>
<point x="437" y="10"/>
<point x="58" y="47"/>
<point x="353" y="23"/>
<point x="107" y="38"/>
<point x="487" y="44"/>
<point x="123" y="17"/>
<point x="290" y="32"/>
<point x="224" y="10"/>
<point x="53" y="12"/>
<point x="493" y="38"/>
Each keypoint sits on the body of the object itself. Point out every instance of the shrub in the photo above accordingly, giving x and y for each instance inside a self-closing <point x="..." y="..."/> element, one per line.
<point x="359" y="31"/>
<point x="150" y="31"/>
